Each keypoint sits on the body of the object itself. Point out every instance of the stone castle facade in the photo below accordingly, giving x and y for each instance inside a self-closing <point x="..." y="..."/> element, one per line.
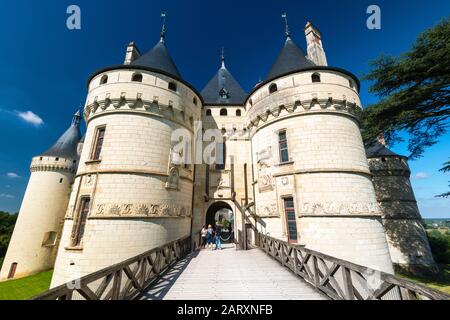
<point x="287" y="158"/>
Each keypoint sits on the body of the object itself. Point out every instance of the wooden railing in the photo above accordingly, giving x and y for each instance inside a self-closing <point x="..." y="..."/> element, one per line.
<point x="343" y="280"/>
<point x="125" y="280"/>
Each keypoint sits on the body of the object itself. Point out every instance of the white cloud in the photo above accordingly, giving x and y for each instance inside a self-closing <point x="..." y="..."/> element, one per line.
<point x="13" y="175"/>
<point x="5" y="195"/>
<point x="421" y="175"/>
<point x="30" y="117"/>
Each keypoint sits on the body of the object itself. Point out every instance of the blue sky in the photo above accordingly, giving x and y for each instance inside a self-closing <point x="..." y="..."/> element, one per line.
<point x="45" y="66"/>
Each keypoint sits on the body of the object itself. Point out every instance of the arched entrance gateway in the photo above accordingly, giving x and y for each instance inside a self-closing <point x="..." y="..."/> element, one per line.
<point x="221" y="212"/>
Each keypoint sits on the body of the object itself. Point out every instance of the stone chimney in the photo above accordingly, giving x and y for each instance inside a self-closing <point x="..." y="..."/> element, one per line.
<point x="132" y="53"/>
<point x="316" y="53"/>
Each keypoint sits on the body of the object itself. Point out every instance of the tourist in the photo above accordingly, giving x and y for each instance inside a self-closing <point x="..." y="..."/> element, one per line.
<point x="218" y="234"/>
<point x="209" y="236"/>
<point x="204" y="233"/>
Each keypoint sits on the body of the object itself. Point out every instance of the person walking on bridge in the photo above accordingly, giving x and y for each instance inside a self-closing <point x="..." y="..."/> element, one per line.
<point x="209" y="236"/>
<point x="204" y="233"/>
<point x="218" y="234"/>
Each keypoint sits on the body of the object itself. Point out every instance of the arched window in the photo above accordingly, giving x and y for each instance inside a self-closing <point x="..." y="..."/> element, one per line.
<point x="223" y="112"/>
<point x="104" y="79"/>
<point x="238" y="112"/>
<point x="172" y="86"/>
<point x="315" y="77"/>
<point x="208" y="112"/>
<point x="194" y="100"/>
<point x="273" y="88"/>
<point x="137" y="77"/>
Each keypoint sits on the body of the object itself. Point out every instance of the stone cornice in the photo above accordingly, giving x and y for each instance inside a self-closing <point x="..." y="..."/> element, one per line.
<point x="130" y="171"/>
<point x="305" y="107"/>
<point x="109" y="105"/>
<point x="51" y="164"/>
<point x="324" y="170"/>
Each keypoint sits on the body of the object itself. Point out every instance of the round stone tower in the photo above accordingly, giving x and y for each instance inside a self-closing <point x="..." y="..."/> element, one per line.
<point x="35" y="239"/>
<point x="312" y="180"/>
<point x="133" y="188"/>
<point x="407" y="239"/>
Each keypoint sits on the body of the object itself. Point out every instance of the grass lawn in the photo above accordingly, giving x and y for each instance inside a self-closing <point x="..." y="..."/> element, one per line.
<point x="439" y="282"/>
<point x="25" y="288"/>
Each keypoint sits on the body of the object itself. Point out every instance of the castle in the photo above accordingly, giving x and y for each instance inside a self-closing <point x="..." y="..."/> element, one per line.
<point x="286" y="159"/>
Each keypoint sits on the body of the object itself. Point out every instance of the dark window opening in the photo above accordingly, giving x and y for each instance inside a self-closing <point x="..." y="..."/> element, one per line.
<point x="223" y="112"/>
<point x="208" y="112"/>
<point x="172" y="86"/>
<point x="273" y="88"/>
<point x="291" y="222"/>
<point x="194" y="100"/>
<point x="104" y="79"/>
<point x="98" y="143"/>
<point x="315" y="77"/>
<point x="12" y="270"/>
<point x="220" y="156"/>
<point x="80" y="222"/>
<point x="283" y="146"/>
<point x="137" y="77"/>
<point x="238" y="113"/>
<point x="61" y="180"/>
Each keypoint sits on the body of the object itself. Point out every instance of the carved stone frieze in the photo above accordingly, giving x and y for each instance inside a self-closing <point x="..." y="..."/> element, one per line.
<point x="336" y="208"/>
<point x="132" y="210"/>
<point x="268" y="211"/>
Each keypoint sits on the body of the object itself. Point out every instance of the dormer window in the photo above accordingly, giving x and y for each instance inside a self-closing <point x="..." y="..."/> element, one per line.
<point x="273" y="88"/>
<point x="223" y="93"/>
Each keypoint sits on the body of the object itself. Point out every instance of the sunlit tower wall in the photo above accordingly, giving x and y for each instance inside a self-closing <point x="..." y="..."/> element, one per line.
<point x="133" y="190"/>
<point x="407" y="239"/>
<point x="312" y="180"/>
<point x="37" y="232"/>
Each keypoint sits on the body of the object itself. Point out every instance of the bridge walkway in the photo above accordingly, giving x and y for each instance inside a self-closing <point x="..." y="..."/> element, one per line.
<point x="230" y="274"/>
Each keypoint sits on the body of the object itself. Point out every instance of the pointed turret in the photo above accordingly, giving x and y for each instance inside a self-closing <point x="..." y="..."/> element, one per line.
<point x="223" y="88"/>
<point x="34" y="242"/>
<point x="290" y="58"/>
<point x="158" y="57"/>
<point x="66" y="145"/>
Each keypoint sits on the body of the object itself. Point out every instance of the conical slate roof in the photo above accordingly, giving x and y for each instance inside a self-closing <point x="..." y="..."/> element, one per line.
<point x="158" y="58"/>
<point x="376" y="149"/>
<point x="290" y="58"/>
<point x="66" y="145"/>
<point x="223" y="89"/>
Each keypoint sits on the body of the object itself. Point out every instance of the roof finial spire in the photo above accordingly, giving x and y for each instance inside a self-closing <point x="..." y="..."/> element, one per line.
<point x="76" y="119"/>
<point x="222" y="58"/>
<point x="286" y="31"/>
<point x="163" y="28"/>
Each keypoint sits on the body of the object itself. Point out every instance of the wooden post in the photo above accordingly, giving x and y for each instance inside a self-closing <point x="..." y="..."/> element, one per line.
<point x="348" y="286"/>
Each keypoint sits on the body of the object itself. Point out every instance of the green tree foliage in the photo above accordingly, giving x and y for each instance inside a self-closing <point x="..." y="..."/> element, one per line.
<point x="440" y="246"/>
<point x="414" y="91"/>
<point x="7" y="222"/>
<point x="446" y="168"/>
